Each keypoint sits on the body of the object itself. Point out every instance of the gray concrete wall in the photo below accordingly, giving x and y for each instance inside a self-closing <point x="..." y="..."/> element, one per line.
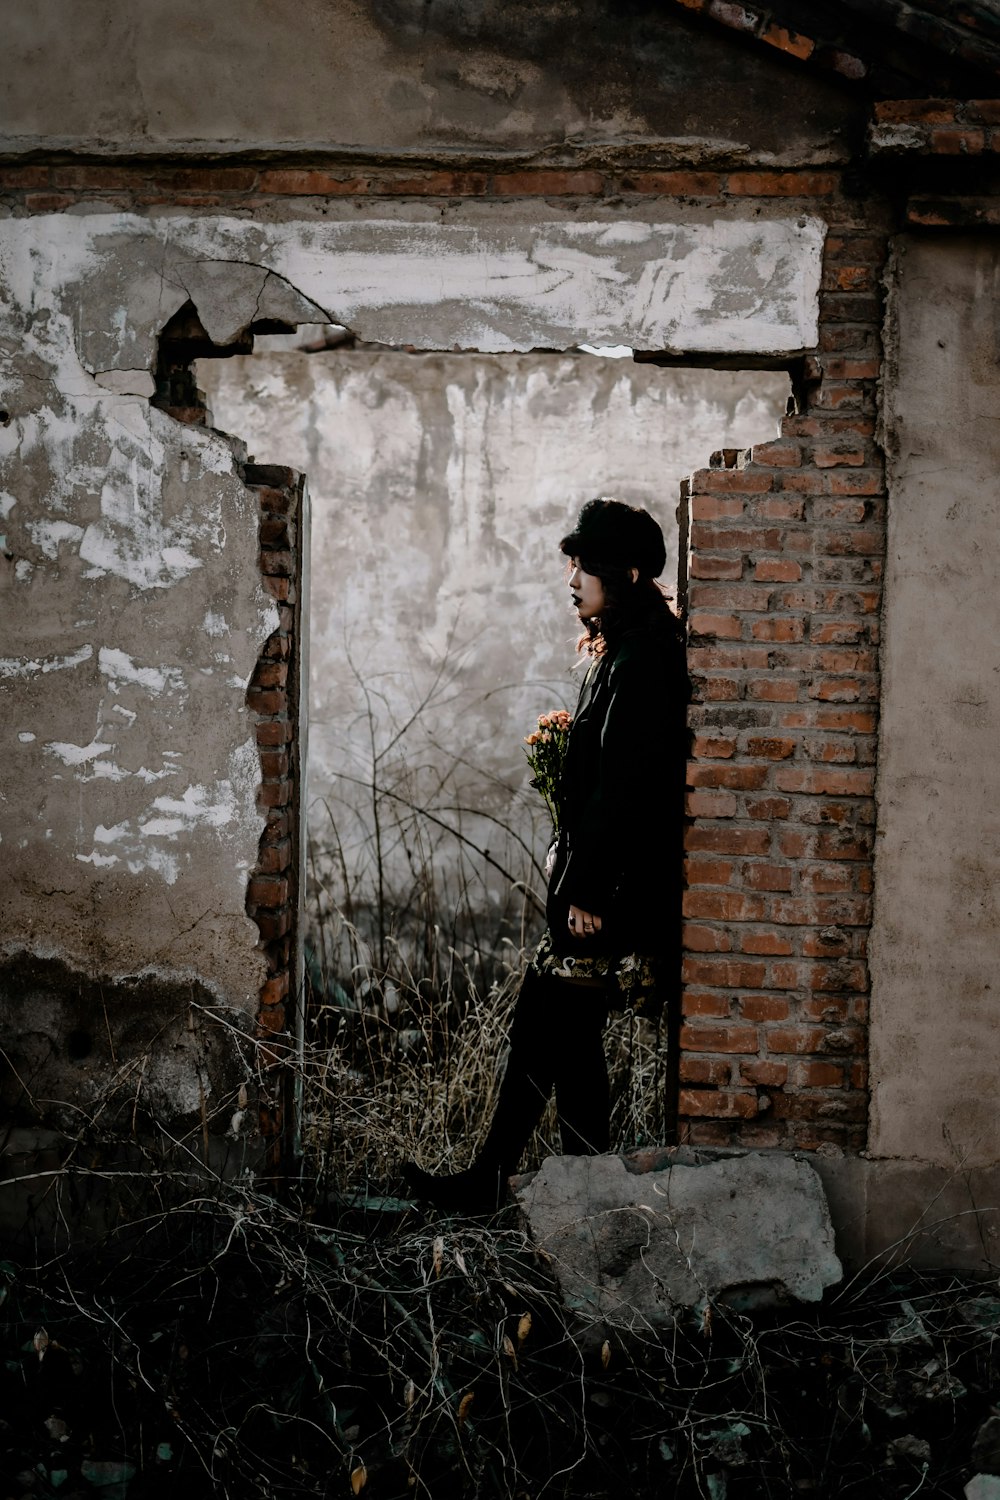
<point x="404" y="76"/>
<point x="935" y="1028"/>
<point x="136" y="612"/>
<point x="440" y="486"/>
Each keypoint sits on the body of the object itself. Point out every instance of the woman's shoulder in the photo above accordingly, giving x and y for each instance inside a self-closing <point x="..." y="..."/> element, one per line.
<point x="658" y="647"/>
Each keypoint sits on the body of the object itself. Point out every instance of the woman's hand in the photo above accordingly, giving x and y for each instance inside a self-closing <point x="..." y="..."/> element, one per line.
<point x="583" y="924"/>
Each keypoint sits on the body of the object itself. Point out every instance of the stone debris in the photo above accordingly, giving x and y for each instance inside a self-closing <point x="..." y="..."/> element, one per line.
<point x="638" y="1251"/>
<point x="983" y="1487"/>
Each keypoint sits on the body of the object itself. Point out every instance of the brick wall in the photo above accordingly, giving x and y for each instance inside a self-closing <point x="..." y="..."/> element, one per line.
<point x="272" y="892"/>
<point x="785" y="546"/>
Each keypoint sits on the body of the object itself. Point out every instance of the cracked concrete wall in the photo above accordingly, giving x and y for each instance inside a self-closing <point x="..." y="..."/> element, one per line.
<point x="129" y="821"/>
<point x="935" y="1041"/>
<point x="440" y="487"/>
<point x="406" y="76"/>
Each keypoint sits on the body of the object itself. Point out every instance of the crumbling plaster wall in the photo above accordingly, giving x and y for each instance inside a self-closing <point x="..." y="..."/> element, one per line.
<point x="403" y="75"/>
<point x="137" y="612"/>
<point x="440" y="486"/>
<point x="935" y="1039"/>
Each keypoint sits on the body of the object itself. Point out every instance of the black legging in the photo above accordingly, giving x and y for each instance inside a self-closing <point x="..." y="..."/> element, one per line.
<point x="555" y="1042"/>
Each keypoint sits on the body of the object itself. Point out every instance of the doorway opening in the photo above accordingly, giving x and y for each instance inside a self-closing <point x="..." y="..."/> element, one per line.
<point x="439" y="630"/>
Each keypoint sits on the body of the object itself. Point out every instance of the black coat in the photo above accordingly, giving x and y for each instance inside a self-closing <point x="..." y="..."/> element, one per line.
<point x="620" y="849"/>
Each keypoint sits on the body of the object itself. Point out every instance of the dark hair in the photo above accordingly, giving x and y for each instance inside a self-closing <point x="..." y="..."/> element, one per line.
<point x="639" y="604"/>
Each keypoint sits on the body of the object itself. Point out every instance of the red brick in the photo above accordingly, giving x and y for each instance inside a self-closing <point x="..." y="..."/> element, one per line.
<point x="768" y="808"/>
<point x="14" y="178"/>
<point x="273" y="732"/>
<point x="716" y="567"/>
<point x="708" y="871"/>
<point x="715" y="689"/>
<point x="856" y="482"/>
<point x="740" y="777"/>
<point x="275" y="990"/>
<point x="734" y="657"/>
<point x="777" y="570"/>
<point x="718" y="1105"/>
<point x="714" y="747"/>
<point x="273" y="924"/>
<point x="48" y="203"/>
<point x="271" y="1019"/>
<point x="782" y="508"/>
<point x="723" y="905"/>
<point x="710" y="805"/>
<point x="765" y="944"/>
<point x="773" y="689"/>
<point x="274" y="794"/>
<point x="732" y="481"/>
<point x="715" y="508"/>
<point x="278" y="588"/>
<point x="711" y="1071"/>
<point x="277" y="563"/>
<point x="765" y="1074"/>
<point x="763" y="1008"/>
<point x="916" y="111"/>
<point x="274" y="764"/>
<point x="718" y="1038"/>
<point x="787" y="630"/>
<point x="723" y="627"/>
<point x="835" y="783"/>
<point x="694" y="1003"/>
<point x="545" y="180"/>
<point x="819" y="1075"/>
<point x="673" y="184"/>
<point x="764" y="877"/>
<point x="267" y="700"/>
<point x="781" y="453"/>
<point x="838" y="690"/>
<point x="731" y="973"/>
<point x="957" y="142"/>
<point x="796" y="1039"/>
<point x="310" y="184"/>
<point x="274" y="858"/>
<point x="783" y="184"/>
<point x="699" y="939"/>
<point x="983" y="111"/>
<point x="727" y="840"/>
<point x="770" y="749"/>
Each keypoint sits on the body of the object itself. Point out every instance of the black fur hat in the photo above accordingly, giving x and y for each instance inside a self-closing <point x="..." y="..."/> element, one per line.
<point x="624" y="536"/>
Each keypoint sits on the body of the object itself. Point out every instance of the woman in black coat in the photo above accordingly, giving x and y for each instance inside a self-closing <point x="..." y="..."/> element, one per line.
<point x="614" y="893"/>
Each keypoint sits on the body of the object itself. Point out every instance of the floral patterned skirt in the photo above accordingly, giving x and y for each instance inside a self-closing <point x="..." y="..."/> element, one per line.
<point x="629" y="979"/>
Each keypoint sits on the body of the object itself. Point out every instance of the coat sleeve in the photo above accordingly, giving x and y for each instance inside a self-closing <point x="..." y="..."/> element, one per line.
<point x="632" y="793"/>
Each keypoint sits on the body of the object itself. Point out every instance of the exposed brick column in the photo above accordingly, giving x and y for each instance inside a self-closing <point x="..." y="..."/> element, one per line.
<point x="273" y="695"/>
<point x="786" y="543"/>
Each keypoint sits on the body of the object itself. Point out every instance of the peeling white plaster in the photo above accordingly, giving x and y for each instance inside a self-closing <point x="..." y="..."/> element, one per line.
<point x="93" y="858"/>
<point x="214" y="624"/>
<point x="48" y="535"/>
<point x="13" y="666"/>
<point x="127" y="382"/>
<point x="119" y="668"/>
<point x="26" y="738"/>
<point x="196" y="806"/>
<point x="7" y="503"/>
<point x="23" y="570"/>
<point x="76" y="755"/>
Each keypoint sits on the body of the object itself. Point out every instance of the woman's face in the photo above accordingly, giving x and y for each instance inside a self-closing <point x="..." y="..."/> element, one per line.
<point x="586" y="589"/>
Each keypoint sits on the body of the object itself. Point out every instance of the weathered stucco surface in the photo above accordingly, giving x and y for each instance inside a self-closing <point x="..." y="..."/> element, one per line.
<point x="404" y="75"/>
<point x="134" y="617"/>
<point x="440" y="487"/>
<point x="137" y="612"/>
<point x="935" y="1038"/>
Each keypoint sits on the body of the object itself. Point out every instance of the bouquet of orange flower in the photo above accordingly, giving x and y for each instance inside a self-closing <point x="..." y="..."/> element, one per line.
<point x="546" y="752"/>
